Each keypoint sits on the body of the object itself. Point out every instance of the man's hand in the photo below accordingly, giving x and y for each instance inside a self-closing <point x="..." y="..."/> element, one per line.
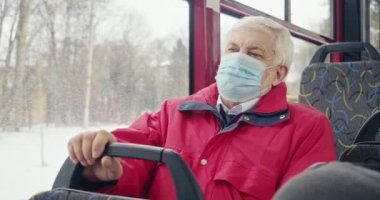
<point x="86" y="148"/>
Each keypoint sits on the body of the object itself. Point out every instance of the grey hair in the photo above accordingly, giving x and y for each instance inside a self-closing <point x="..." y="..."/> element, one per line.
<point x="284" y="45"/>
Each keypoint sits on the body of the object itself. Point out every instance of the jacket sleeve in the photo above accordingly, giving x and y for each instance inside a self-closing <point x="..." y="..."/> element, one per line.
<point x="316" y="146"/>
<point x="137" y="174"/>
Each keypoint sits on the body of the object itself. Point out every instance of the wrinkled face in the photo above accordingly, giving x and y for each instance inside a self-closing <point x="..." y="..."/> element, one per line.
<point x="258" y="43"/>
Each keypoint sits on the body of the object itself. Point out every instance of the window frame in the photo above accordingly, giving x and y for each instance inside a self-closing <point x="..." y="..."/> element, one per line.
<point x="205" y="35"/>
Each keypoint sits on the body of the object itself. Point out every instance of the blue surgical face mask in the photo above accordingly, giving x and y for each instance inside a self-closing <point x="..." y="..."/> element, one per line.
<point x="239" y="77"/>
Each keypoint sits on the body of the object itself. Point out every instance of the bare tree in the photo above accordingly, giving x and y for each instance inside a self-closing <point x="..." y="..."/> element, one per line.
<point x="7" y="81"/>
<point x="4" y="8"/>
<point x="374" y="23"/>
<point x="11" y="39"/>
<point x="178" y="69"/>
<point x="69" y="72"/>
<point x="21" y="52"/>
<point x="121" y="66"/>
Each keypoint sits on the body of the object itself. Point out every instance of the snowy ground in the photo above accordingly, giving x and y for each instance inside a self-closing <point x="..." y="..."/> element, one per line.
<point x="26" y="168"/>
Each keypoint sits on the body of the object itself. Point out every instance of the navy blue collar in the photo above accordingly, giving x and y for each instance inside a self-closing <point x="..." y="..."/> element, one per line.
<point x="250" y="117"/>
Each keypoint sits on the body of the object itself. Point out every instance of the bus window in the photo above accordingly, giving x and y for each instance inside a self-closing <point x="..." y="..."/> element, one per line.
<point x="275" y="9"/>
<point x="313" y="15"/>
<point x="302" y="55"/>
<point x="137" y="56"/>
<point x="375" y="24"/>
<point x="81" y="65"/>
<point x="226" y="22"/>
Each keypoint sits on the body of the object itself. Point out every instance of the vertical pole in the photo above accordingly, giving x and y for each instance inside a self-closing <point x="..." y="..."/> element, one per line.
<point x="205" y="39"/>
<point x="338" y="10"/>
<point x="364" y="17"/>
<point x="288" y="11"/>
<point x="89" y="68"/>
<point x="42" y="140"/>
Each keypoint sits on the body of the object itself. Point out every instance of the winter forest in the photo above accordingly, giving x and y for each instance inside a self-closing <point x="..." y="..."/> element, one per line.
<point x="77" y="63"/>
<point x="94" y="62"/>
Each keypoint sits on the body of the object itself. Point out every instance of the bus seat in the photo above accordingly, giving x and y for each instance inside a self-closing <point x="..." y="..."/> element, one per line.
<point x="370" y="131"/>
<point x="366" y="148"/>
<point x="347" y="92"/>
<point x="66" y="193"/>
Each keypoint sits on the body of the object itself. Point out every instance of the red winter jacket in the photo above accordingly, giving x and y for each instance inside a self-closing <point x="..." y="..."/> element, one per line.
<point x="248" y="158"/>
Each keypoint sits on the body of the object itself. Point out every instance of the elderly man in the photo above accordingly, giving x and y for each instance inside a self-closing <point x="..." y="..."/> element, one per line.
<point x="239" y="136"/>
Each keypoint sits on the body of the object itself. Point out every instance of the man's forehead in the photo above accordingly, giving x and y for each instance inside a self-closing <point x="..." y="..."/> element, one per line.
<point x="252" y="38"/>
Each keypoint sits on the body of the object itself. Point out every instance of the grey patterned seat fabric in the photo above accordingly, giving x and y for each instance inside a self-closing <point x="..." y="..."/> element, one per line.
<point x="65" y="194"/>
<point x="347" y="92"/>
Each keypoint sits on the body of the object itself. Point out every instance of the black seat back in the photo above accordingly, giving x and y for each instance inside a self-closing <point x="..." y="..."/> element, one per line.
<point x="72" y="194"/>
<point x="366" y="149"/>
<point x="347" y="92"/>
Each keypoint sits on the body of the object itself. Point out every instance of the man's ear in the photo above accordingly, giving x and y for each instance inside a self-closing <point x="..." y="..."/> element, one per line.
<point x="281" y="73"/>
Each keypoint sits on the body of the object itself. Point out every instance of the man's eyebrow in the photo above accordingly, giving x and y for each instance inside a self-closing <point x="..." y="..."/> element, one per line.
<point x="256" y="48"/>
<point x="232" y="44"/>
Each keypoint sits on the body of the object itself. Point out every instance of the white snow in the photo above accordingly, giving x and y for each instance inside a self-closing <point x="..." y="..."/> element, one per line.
<point x="26" y="168"/>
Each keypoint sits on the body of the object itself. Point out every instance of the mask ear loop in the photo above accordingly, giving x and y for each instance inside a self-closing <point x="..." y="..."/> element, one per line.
<point x="267" y="89"/>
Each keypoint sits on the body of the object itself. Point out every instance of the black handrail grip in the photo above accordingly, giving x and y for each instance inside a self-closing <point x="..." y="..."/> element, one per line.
<point x="69" y="175"/>
<point x="136" y="151"/>
<point x="185" y="183"/>
<point x="181" y="173"/>
<point x="322" y="52"/>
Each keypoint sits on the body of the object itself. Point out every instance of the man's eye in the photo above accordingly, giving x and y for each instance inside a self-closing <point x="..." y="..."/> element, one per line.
<point x="232" y="50"/>
<point x="256" y="55"/>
